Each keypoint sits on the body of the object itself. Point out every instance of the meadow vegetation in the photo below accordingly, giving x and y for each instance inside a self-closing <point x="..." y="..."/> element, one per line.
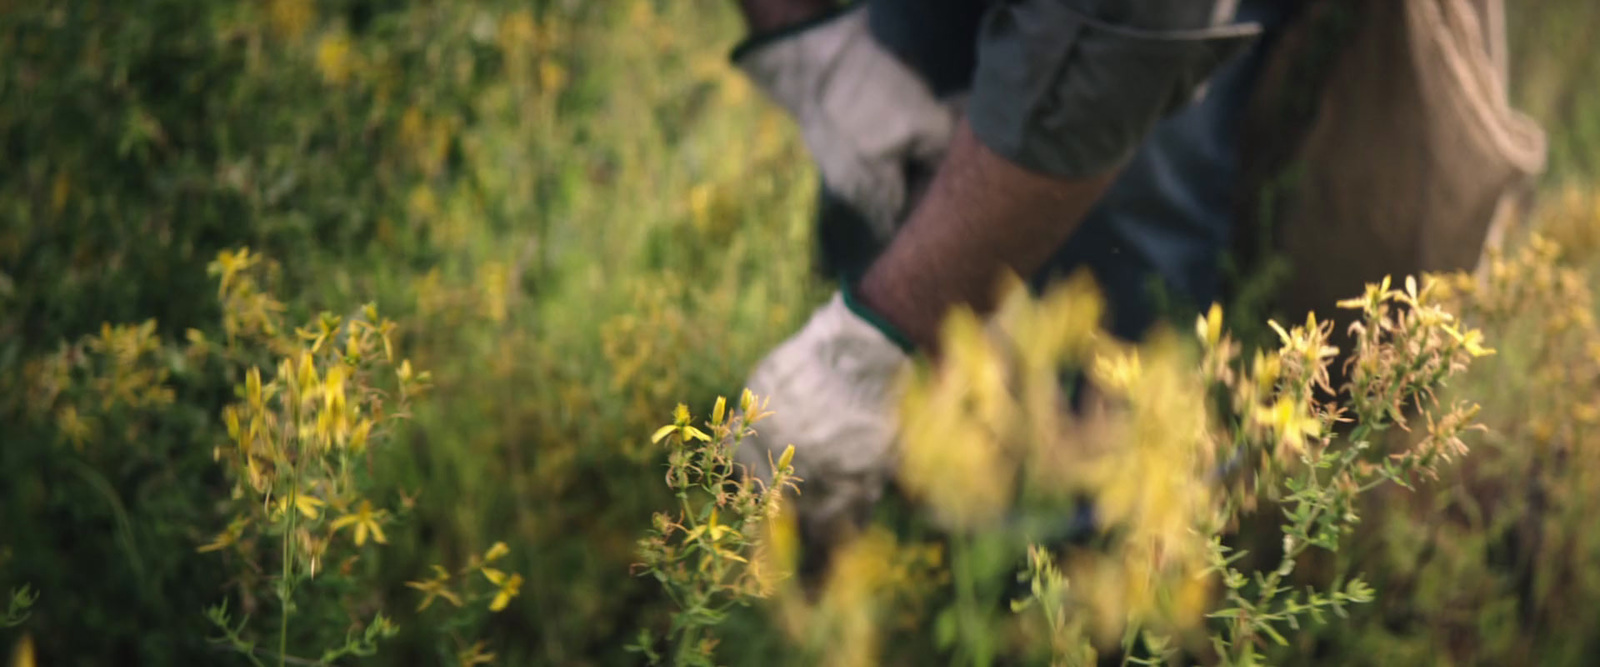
<point x="337" y="331"/>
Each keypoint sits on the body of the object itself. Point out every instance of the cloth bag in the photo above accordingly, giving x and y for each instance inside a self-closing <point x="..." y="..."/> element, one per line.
<point x="1413" y="152"/>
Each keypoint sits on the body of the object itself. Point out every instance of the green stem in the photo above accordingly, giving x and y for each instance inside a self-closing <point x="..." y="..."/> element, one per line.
<point x="291" y="512"/>
<point x="1303" y="527"/>
<point x="687" y="637"/>
<point x="683" y="503"/>
<point x="967" y="604"/>
<point x="286" y="586"/>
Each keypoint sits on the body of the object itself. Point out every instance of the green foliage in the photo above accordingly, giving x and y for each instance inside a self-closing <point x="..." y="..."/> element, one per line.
<point x="985" y="440"/>
<point x="1497" y="564"/>
<point x="1550" y="43"/>
<point x="17" y="613"/>
<point x="703" y="562"/>
<point x="490" y="174"/>
<point x="576" y="215"/>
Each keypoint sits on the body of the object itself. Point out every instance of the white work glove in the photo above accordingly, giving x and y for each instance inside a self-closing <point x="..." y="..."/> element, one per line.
<point x="866" y="117"/>
<point x="833" y="393"/>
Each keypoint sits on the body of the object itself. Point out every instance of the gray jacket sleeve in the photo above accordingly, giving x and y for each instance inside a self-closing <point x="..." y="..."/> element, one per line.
<point x="1071" y="87"/>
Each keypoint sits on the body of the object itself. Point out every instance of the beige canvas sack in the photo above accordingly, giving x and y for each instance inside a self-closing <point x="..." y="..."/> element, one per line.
<point x="1413" y="154"/>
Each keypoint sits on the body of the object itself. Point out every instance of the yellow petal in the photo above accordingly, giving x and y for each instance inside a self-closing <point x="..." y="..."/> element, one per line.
<point x="1214" y="324"/>
<point x="1283" y="335"/>
<point x="662" y="433"/>
<point x="22" y="655"/>
<point x="498" y="550"/>
<point x="308" y="505"/>
<point x="252" y="386"/>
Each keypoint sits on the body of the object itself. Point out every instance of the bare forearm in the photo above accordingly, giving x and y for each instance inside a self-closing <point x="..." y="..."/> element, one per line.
<point x="982" y="215"/>
<point x="767" y="15"/>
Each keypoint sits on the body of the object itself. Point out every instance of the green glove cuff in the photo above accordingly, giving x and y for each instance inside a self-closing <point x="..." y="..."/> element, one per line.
<point x="853" y="302"/>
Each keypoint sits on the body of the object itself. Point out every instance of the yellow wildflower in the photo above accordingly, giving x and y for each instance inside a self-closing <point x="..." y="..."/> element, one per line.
<point x="1117" y="370"/>
<point x="366" y="520"/>
<point x="1471" y="341"/>
<point x="509" y="585"/>
<point x="949" y="459"/>
<point x="252" y="388"/>
<point x="308" y="505"/>
<point x="495" y="552"/>
<point x="228" y="537"/>
<point x="719" y="411"/>
<point x="715" y="532"/>
<point x="437" y="587"/>
<point x="360" y="434"/>
<point x="1375" y="295"/>
<point x="1290" y="422"/>
<point x="552" y="76"/>
<point x="1267" y="368"/>
<point x="680" y="425"/>
<point x="474" y="655"/>
<point x="73" y="426"/>
<point x="1209" y="326"/>
<point x="333" y="59"/>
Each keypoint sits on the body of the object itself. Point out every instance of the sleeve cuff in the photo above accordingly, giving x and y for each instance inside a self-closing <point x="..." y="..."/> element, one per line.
<point x="853" y="303"/>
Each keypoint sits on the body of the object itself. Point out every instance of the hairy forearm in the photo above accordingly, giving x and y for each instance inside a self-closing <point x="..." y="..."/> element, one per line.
<point x="767" y="15"/>
<point x="982" y="215"/>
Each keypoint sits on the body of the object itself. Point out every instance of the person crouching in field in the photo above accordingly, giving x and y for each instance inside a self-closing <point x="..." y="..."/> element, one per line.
<point x="960" y="139"/>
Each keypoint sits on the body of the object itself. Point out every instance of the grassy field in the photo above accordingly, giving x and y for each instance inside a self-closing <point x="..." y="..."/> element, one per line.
<point x="576" y="216"/>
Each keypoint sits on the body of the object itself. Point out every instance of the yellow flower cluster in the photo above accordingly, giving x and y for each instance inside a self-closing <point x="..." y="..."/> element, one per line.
<point x="728" y="542"/>
<point x="87" y="381"/>
<point x="1169" y="447"/>
<point x="301" y="438"/>
<point x="994" y="402"/>
<point x="874" y="586"/>
<point x="442" y="586"/>
<point x="991" y="432"/>
<point x="321" y="404"/>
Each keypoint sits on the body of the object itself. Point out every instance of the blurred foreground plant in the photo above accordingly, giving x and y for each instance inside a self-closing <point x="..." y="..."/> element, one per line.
<point x="1172" y="458"/>
<point x="1036" y="416"/>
